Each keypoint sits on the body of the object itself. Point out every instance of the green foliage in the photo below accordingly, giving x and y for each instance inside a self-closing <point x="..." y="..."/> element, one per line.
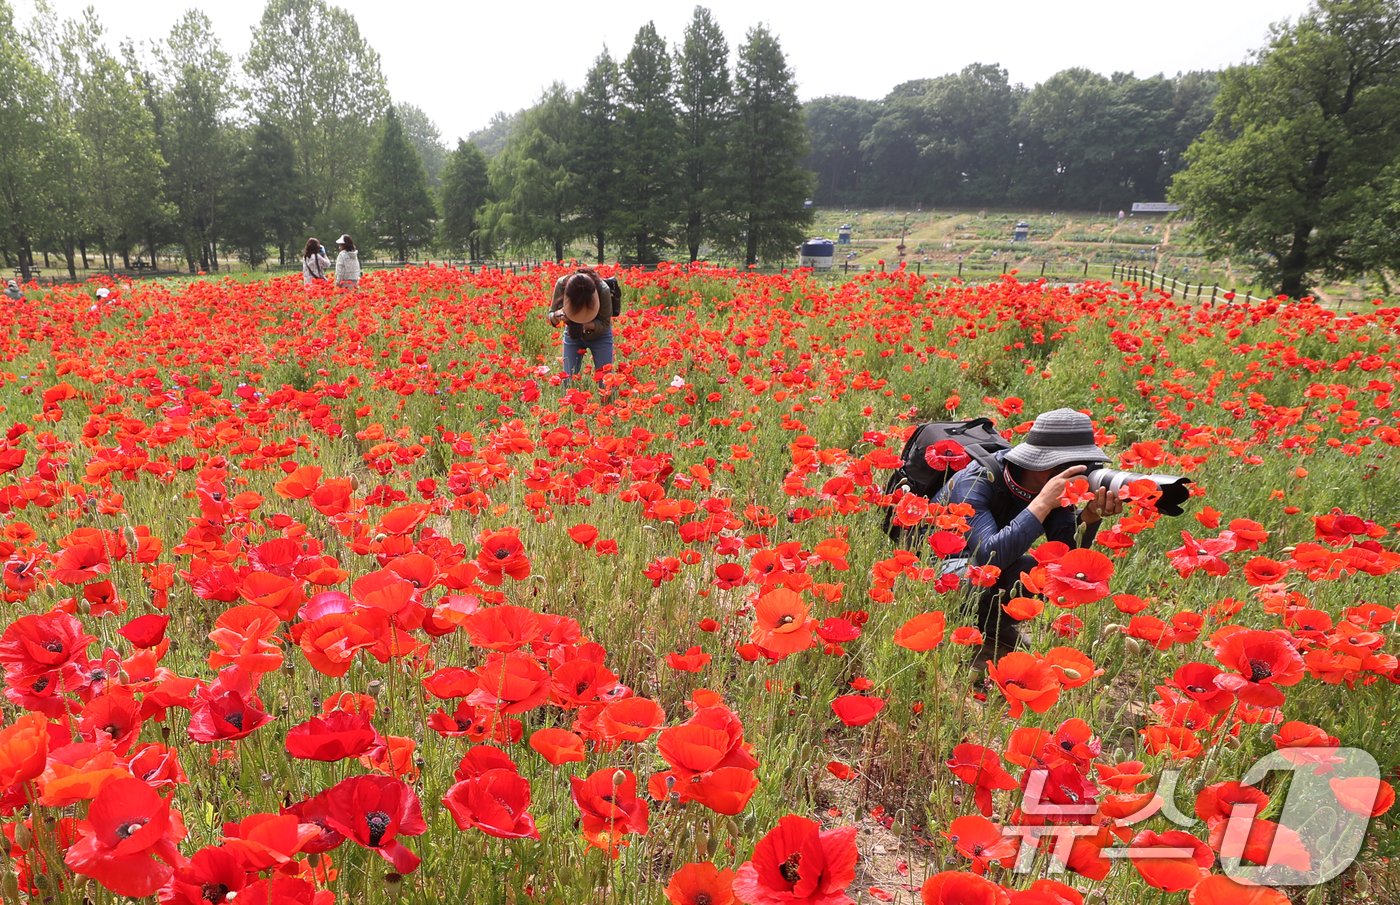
<point x="534" y="179"/>
<point x="423" y="134"/>
<point x="23" y="90"/>
<point x="596" y="149"/>
<point x="466" y="188"/>
<point x="267" y="200"/>
<point x="770" y="141"/>
<point x="396" y="197"/>
<point x="121" y="157"/>
<point x="195" y="103"/>
<point x="313" y="75"/>
<point x="835" y="128"/>
<point x="1296" y="164"/>
<point x="706" y="108"/>
<point x="647" y="157"/>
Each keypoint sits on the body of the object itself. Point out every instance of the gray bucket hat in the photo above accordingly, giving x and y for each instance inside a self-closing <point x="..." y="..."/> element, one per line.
<point x="1057" y="440"/>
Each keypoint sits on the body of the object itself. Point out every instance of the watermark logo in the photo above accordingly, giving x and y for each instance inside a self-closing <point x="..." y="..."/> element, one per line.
<point x="1311" y="838"/>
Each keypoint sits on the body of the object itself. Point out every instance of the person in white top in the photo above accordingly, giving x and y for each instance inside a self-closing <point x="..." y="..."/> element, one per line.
<point x="347" y="263"/>
<point x="314" y="262"/>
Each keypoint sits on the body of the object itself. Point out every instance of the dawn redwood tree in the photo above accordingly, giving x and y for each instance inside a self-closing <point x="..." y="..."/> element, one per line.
<point x="596" y="149"/>
<point x="534" y="180"/>
<point x="313" y="74"/>
<point x="705" y="98"/>
<point x="769" y="184"/>
<point x="647" y="157"/>
<point x="266" y="203"/>
<point x="1293" y="169"/>
<point x="396" y="196"/>
<point x="195" y="105"/>
<point x="466" y="188"/>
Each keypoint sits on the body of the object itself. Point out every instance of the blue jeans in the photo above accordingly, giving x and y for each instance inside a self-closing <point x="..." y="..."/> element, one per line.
<point x="601" y="346"/>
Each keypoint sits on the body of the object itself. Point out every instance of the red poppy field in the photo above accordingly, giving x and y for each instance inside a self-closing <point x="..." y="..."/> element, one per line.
<point x="316" y="596"/>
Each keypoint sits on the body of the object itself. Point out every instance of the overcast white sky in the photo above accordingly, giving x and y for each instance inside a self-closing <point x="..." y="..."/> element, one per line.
<point x="463" y="61"/>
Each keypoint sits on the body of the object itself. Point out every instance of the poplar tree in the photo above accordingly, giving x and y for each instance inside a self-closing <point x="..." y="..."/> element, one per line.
<point x="466" y="188"/>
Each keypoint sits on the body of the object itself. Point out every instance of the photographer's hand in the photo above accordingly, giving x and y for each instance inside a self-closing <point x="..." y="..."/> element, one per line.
<point x="1048" y="499"/>
<point x="1103" y="504"/>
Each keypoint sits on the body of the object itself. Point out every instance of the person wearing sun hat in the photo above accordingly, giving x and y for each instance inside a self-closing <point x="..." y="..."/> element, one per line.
<point x="347" y="263"/>
<point x="1017" y="503"/>
<point x="582" y="304"/>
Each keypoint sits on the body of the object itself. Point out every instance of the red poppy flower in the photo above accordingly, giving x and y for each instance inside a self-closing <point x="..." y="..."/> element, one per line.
<point x="1365" y="796"/>
<point x="24" y="748"/>
<point x="607" y="800"/>
<point x="225" y="713"/>
<point x="558" y="746"/>
<point x="145" y="631"/>
<point x="211" y="875"/>
<point x="1221" y="890"/>
<point x="982" y="841"/>
<point x="497" y="802"/>
<point x="332" y="737"/>
<point x="129" y="841"/>
<point x="1172" y="861"/>
<point x="373" y="811"/>
<point x="1263" y="662"/>
<point x="36" y="644"/>
<point x="781" y="624"/>
<point x="511" y="683"/>
<point x="797" y="861"/>
<point x="1026" y="681"/>
<point x="502" y="554"/>
<point x="956" y="888"/>
<point x="857" y="709"/>
<point x="980" y="768"/>
<point x="1078" y="577"/>
<point x="701" y="883"/>
<point x="922" y="632"/>
<point x="947" y="455"/>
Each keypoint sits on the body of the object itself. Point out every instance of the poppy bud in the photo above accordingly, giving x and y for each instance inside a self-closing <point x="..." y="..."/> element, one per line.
<point x="24" y="836"/>
<point x="1362" y="881"/>
<point x="1132" y="646"/>
<point x="1111" y="628"/>
<point x="1072" y="674"/>
<point x="619" y="777"/>
<point x="11" y="886"/>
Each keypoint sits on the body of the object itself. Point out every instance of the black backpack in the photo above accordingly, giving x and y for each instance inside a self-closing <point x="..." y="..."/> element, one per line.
<point x="616" y="289"/>
<point x="978" y="437"/>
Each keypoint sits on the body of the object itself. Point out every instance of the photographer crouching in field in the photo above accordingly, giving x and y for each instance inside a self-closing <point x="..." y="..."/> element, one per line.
<point x="1018" y="501"/>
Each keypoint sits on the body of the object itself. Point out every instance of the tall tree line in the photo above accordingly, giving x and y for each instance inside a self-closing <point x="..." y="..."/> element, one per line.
<point x="667" y="153"/>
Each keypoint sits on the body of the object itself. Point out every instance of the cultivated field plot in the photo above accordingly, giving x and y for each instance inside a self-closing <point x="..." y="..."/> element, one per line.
<point x="316" y="594"/>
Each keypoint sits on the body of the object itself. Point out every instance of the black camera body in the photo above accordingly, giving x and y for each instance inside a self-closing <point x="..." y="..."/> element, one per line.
<point x="1175" y="489"/>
